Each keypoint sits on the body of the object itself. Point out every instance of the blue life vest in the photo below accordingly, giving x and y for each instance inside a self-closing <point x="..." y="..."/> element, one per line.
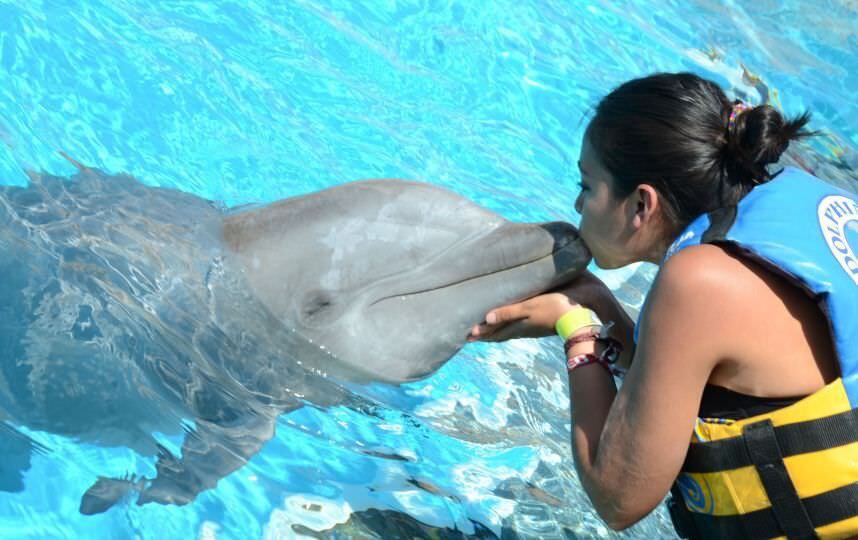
<point x="805" y="456"/>
<point x="807" y="230"/>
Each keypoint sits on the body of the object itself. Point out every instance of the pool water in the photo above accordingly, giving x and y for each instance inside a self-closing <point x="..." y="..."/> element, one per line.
<point x="254" y="101"/>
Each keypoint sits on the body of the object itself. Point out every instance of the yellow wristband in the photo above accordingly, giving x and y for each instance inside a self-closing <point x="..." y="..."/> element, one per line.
<point x="575" y="319"/>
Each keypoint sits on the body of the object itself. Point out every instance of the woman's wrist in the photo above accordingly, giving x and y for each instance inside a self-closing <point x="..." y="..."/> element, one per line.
<point x="583" y="342"/>
<point x="583" y="333"/>
<point x="593" y="346"/>
<point x="576" y="320"/>
<point x="610" y="309"/>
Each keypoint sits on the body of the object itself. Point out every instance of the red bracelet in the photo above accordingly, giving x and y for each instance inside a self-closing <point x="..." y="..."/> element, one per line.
<point x="610" y="353"/>
<point x="603" y="360"/>
<point x="580" y="360"/>
<point x="574" y="340"/>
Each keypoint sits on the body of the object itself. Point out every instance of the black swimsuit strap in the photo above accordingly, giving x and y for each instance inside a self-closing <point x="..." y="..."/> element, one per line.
<point x="720" y="402"/>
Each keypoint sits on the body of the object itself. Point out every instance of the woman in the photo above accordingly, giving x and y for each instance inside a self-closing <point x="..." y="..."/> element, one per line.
<point x="750" y="327"/>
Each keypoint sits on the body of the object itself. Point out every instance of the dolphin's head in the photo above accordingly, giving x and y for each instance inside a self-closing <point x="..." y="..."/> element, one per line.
<point x="390" y="275"/>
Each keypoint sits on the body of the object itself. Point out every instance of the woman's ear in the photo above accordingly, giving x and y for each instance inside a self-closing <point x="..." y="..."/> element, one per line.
<point x="647" y="206"/>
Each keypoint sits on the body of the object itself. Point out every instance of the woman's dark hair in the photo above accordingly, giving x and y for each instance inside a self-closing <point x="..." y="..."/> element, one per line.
<point x="671" y="130"/>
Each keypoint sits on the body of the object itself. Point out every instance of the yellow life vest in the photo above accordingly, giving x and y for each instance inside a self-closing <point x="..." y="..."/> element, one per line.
<point x="806" y="454"/>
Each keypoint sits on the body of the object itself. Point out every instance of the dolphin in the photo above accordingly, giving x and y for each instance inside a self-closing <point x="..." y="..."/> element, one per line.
<point x="127" y="309"/>
<point x="389" y="275"/>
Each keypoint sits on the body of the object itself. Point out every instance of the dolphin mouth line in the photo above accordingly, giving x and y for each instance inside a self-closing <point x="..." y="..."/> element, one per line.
<point x="467" y="279"/>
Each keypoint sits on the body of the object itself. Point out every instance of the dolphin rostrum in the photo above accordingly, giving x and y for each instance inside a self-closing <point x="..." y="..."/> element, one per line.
<point x="125" y="309"/>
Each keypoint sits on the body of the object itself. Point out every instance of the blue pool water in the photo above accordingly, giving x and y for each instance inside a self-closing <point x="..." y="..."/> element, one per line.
<point x="254" y="101"/>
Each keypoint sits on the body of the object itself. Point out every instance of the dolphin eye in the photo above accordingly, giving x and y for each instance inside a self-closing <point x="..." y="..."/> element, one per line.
<point x="316" y="307"/>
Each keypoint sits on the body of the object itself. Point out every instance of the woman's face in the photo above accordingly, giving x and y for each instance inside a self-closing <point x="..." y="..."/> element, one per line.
<point x="605" y="220"/>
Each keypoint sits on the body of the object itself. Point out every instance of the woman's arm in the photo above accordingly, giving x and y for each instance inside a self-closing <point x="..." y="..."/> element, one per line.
<point x="629" y="446"/>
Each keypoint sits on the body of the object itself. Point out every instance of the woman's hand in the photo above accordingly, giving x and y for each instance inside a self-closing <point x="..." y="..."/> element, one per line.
<point x="537" y="316"/>
<point x="534" y="317"/>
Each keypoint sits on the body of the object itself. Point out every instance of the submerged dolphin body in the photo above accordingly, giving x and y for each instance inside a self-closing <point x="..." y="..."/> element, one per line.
<point x="125" y="309"/>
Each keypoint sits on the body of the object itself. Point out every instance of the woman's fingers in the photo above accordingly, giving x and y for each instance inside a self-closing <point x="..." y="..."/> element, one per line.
<point x="495" y="320"/>
<point x="512" y="312"/>
<point x="534" y="317"/>
<point x="484" y="331"/>
<point x="520" y="328"/>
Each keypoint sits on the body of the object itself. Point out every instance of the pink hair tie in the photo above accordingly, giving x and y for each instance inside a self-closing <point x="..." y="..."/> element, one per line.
<point x="738" y="108"/>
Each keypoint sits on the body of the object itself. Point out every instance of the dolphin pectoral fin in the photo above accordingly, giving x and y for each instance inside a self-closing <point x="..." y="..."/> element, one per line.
<point x="15" y="447"/>
<point x="209" y="453"/>
<point x="106" y="492"/>
<point x="173" y="484"/>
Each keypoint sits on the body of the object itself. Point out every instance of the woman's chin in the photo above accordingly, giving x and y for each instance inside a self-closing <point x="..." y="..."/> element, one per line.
<point x="605" y="263"/>
<point x="601" y="261"/>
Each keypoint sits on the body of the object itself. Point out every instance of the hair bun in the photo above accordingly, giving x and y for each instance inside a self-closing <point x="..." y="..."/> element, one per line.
<point x="756" y="137"/>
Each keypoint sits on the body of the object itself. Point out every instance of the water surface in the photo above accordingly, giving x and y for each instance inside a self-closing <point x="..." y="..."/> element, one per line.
<point x="255" y="101"/>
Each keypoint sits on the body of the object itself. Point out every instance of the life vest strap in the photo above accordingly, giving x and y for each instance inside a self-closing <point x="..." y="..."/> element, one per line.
<point x="762" y="446"/>
<point x="796" y="438"/>
<point x="823" y="509"/>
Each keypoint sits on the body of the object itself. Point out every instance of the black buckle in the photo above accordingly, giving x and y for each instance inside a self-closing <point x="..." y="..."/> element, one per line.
<point x="682" y="520"/>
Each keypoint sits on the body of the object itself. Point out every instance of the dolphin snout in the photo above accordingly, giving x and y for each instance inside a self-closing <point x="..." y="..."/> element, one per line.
<point x="570" y="254"/>
<point x="565" y="234"/>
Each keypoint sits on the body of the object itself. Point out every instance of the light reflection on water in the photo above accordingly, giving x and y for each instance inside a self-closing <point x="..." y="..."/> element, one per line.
<point x="256" y="102"/>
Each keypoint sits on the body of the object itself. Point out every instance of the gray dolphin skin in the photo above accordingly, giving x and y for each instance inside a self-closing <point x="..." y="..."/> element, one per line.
<point x="389" y="275"/>
<point x="127" y="309"/>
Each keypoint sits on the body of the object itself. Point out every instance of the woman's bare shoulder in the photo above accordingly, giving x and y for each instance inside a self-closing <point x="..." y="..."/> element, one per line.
<point x="709" y="272"/>
<point x="706" y="293"/>
<point x="770" y="322"/>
